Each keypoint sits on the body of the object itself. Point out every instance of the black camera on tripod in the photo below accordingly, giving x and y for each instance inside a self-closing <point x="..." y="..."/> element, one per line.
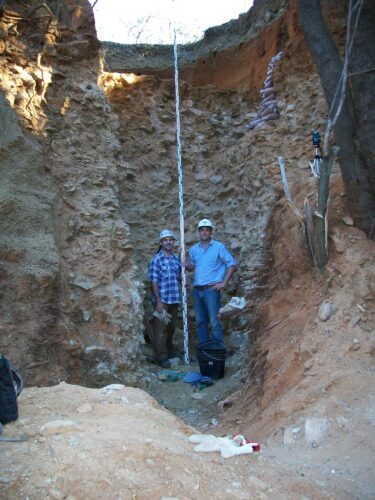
<point x="316" y="138"/>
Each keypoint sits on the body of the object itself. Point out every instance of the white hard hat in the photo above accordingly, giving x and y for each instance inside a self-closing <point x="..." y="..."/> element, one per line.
<point x="205" y="223"/>
<point x="166" y="233"/>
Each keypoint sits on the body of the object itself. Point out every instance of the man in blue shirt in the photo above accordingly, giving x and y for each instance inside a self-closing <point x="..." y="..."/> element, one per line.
<point x="164" y="271"/>
<point x="213" y="266"/>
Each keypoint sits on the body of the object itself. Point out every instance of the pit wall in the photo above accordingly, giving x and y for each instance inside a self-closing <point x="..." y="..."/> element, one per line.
<point x="102" y="146"/>
<point x="71" y="303"/>
<point x="231" y="174"/>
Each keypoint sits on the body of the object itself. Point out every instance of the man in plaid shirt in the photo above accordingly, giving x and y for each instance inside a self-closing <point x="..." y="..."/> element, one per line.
<point x="164" y="271"/>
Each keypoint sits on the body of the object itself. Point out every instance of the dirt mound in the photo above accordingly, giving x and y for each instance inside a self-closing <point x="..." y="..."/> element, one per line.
<point x="90" y="443"/>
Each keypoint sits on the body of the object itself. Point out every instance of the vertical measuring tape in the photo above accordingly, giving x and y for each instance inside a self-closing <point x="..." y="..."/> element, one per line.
<point x="181" y="204"/>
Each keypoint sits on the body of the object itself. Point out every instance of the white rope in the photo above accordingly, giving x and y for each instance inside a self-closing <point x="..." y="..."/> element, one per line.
<point x="181" y="204"/>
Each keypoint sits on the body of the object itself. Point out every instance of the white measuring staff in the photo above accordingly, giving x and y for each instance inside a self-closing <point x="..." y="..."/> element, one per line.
<point x="181" y="205"/>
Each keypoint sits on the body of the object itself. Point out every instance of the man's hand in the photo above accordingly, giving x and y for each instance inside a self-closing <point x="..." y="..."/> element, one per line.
<point x="188" y="265"/>
<point x="159" y="306"/>
<point x="218" y="286"/>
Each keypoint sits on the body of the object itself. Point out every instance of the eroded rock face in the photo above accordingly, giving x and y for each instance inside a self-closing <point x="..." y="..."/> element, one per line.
<point x="101" y="298"/>
<point x="71" y="300"/>
<point x="29" y="259"/>
<point x="222" y="177"/>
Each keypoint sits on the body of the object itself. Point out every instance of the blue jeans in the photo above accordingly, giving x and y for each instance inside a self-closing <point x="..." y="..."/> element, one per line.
<point x="206" y="305"/>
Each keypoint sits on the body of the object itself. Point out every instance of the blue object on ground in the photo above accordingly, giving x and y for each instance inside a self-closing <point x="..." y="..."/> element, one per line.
<point x="196" y="378"/>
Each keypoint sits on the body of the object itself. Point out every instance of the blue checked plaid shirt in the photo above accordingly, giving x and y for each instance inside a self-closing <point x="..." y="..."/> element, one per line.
<point x="165" y="271"/>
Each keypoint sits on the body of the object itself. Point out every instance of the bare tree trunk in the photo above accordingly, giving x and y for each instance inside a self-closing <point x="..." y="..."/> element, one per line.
<point x="362" y="82"/>
<point x="355" y="172"/>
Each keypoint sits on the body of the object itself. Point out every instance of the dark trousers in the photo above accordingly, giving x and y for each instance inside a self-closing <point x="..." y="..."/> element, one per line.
<point x="163" y="334"/>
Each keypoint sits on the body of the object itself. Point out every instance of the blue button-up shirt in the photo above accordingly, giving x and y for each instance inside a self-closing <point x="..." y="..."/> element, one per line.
<point x="210" y="263"/>
<point x="166" y="271"/>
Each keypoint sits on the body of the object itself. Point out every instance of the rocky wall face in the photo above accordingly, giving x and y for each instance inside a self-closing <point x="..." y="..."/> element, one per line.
<point x="29" y="260"/>
<point x="70" y="290"/>
<point x="223" y="180"/>
<point x="101" y="298"/>
<point x="231" y="173"/>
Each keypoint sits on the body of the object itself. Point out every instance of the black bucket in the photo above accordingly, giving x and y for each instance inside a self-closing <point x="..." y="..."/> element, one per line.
<point x="211" y="358"/>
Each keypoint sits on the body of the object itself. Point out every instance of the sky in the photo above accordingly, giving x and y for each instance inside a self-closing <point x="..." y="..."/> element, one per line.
<point x="152" y="21"/>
